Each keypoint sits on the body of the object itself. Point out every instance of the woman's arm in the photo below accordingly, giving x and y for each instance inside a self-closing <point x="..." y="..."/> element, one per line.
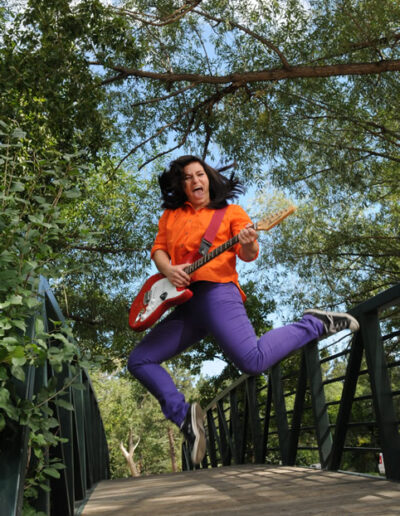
<point x="249" y="246"/>
<point x="175" y="273"/>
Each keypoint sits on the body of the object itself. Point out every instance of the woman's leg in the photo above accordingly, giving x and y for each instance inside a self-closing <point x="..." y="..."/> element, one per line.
<point x="170" y="337"/>
<point x="228" y="322"/>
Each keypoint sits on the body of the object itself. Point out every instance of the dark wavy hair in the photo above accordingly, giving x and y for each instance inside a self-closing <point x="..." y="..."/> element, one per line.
<point x="172" y="190"/>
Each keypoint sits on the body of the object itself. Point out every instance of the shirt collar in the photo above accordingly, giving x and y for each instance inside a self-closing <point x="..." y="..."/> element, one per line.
<point x="190" y="206"/>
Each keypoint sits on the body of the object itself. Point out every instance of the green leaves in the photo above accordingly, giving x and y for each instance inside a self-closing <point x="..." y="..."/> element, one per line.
<point x="12" y="300"/>
<point x="7" y="405"/>
<point x="64" y="404"/>
<point x="51" y="472"/>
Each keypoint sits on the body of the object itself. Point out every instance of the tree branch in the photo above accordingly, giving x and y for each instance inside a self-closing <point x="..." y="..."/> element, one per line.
<point x="275" y="74"/>
<point x="227" y="167"/>
<point x="128" y="454"/>
<point x="171" y="18"/>
<point x="251" y="33"/>
<point x="207" y="142"/>
<point x="361" y="45"/>
<point x="336" y="113"/>
<point x="157" y="133"/>
<point x="181" y="142"/>
<point x="366" y="152"/>
<point x="166" y="97"/>
<point x="323" y="171"/>
<point x="210" y="101"/>
<point x="106" y="250"/>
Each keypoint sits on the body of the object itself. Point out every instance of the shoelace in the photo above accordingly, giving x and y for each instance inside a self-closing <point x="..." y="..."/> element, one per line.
<point x="340" y="324"/>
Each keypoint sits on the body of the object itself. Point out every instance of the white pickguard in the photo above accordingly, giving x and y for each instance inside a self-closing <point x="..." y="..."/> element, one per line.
<point x="160" y="291"/>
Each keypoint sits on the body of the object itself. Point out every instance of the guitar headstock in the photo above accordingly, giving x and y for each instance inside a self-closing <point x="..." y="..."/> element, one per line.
<point x="275" y="218"/>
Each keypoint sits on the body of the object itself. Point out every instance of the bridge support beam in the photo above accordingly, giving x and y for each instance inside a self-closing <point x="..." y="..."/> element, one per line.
<point x="322" y="426"/>
<point x="381" y="393"/>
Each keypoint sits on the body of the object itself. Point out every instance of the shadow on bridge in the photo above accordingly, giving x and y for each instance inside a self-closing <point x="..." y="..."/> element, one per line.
<point x="246" y="489"/>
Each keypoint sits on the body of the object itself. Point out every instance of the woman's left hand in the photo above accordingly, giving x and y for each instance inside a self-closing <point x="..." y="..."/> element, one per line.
<point x="248" y="235"/>
<point x="248" y="240"/>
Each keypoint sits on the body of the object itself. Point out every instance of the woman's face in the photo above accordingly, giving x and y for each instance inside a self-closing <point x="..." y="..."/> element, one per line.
<point x="196" y="185"/>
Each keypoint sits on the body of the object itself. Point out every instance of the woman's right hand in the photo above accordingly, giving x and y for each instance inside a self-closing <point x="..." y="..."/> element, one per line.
<point x="177" y="276"/>
<point x="174" y="273"/>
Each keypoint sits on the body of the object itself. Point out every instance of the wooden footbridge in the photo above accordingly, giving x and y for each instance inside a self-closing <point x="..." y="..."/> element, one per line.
<point x="245" y="490"/>
<point x="338" y="409"/>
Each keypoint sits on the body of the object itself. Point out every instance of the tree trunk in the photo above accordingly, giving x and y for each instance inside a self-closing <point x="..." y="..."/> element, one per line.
<point x="128" y="454"/>
<point x="172" y="449"/>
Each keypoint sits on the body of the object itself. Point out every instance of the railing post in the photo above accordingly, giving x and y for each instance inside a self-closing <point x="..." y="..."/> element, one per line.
<point x="225" y="438"/>
<point x="348" y="393"/>
<point x="212" y="437"/>
<point x="297" y="411"/>
<point x="79" y="431"/>
<point x="280" y="411"/>
<point x="254" y="418"/>
<point x="381" y="393"/>
<point x="237" y="437"/>
<point x="245" y="426"/>
<point x="268" y="406"/>
<point x="318" y="401"/>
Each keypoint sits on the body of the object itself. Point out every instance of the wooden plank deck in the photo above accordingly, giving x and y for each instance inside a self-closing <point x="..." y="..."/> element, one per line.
<point x="243" y="490"/>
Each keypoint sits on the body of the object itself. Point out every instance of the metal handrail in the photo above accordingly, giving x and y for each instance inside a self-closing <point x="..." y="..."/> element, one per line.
<point x="85" y="454"/>
<point x="250" y="421"/>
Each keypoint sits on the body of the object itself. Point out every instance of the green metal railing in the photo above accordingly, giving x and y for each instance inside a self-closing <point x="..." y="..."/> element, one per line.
<point x="337" y="410"/>
<point x="85" y="454"/>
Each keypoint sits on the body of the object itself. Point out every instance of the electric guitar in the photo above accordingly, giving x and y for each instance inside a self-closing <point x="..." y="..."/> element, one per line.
<point x="158" y="294"/>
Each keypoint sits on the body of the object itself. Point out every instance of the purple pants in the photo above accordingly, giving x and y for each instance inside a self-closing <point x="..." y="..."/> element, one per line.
<point x="217" y="309"/>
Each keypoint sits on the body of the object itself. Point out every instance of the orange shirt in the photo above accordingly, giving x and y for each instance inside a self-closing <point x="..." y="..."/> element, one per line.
<point x="180" y="232"/>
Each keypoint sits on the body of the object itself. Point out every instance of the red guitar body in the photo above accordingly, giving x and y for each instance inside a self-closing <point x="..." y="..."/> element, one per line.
<point x="156" y="296"/>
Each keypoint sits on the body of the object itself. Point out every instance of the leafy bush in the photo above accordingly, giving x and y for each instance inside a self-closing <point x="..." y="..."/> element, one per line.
<point x="35" y="186"/>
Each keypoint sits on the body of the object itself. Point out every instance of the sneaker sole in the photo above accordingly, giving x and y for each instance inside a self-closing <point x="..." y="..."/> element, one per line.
<point x="199" y="446"/>
<point x="353" y="326"/>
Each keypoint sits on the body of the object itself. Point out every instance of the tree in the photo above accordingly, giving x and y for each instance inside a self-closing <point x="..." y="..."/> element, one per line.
<point x="133" y="421"/>
<point x="33" y="232"/>
<point x="305" y="95"/>
<point x="50" y="123"/>
<point x="104" y="272"/>
<point x="211" y="65"/>
<point x="128" y="454"/>
<point x="54" y="98"/>
<point x="45" y="76"/>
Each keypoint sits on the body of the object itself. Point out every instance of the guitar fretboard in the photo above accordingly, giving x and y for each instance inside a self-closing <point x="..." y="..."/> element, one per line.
<point x="263" y="225"/>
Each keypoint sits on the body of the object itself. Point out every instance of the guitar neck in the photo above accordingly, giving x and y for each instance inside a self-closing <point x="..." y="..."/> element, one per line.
<point x="212" y="254"/>
<point x="263" y="225"/>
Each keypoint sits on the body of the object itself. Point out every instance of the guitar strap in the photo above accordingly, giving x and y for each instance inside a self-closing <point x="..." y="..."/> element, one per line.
<point x="211" y="231"/>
